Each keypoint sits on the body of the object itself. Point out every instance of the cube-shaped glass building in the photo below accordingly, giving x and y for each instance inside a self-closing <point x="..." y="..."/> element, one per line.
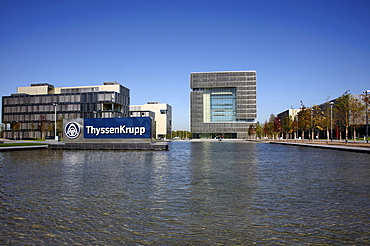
<point x="222" y="104"/>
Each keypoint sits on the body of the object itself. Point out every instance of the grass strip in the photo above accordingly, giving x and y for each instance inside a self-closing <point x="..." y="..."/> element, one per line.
<point x="19" y="144"/>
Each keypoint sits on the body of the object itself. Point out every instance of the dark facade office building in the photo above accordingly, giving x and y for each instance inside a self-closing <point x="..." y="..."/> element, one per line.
<point x="33" y="109"/>
<point x="222" y="104"/>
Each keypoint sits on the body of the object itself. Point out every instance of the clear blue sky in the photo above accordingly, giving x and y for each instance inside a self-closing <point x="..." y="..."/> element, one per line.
<point x="301" y="50"/>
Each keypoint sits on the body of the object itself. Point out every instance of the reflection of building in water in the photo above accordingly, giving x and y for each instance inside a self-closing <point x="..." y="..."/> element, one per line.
<point x="34" y="107"/>
<point x="222" y="104"/>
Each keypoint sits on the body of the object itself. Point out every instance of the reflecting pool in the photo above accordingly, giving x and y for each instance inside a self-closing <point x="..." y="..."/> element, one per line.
<point x="198" y="193"/>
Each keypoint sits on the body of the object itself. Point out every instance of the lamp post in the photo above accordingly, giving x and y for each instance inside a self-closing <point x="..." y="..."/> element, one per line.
<point x="367" y="116"/>
<point x="55" y="121"/>
<point x="331" y="120"/>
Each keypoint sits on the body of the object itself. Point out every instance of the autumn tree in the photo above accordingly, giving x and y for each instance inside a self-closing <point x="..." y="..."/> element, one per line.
<point x="251" y="131"/>
<point x="277" y="126"/>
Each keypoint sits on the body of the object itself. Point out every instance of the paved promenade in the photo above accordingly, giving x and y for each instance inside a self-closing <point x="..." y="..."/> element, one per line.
<point x="56" y="145"/>
<point x="361" y="147"/>
<point x="43" y="145"/>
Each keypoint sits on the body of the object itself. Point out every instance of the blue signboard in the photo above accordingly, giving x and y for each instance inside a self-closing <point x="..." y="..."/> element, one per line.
<point x="130" y="127"/>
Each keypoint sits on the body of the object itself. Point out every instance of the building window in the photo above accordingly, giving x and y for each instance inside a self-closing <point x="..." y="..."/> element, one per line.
<point x="219" y="105"/>
<point x="163" y="111"/>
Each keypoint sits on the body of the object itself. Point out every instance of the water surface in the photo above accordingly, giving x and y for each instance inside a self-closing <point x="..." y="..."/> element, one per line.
<point x="198" y="193"/>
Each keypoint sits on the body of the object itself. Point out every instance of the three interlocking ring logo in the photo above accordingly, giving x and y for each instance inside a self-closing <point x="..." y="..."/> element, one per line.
<point x="72" y="130"/>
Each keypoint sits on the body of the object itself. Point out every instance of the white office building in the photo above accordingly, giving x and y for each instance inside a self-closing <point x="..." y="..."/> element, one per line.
<point x="162" y="116"/>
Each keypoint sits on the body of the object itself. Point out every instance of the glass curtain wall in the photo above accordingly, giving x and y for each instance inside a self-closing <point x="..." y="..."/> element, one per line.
<point x="219" y="105"/>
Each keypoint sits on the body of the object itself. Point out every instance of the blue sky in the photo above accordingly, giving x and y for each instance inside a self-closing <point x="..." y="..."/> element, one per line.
<point x="301" y="50"/>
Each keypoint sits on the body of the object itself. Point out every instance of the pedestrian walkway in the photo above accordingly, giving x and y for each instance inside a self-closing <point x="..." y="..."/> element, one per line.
<point x="327" y="146"/>
<point x="43" y="145"/>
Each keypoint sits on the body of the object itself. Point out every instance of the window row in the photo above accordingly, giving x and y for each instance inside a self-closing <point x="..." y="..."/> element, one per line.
<point x="41" y="108"/>
<point x="83" y="98"/>
<point x="38" y="117"/>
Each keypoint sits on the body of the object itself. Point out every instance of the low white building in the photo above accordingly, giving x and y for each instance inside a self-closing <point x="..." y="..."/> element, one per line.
<point x="162" y="116"/>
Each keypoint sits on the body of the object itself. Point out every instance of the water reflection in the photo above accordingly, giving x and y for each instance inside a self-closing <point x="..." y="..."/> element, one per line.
<point x="200" y="193"/>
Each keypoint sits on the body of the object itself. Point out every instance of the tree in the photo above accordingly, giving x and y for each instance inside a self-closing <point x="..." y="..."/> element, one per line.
<point x="277" y="126"/>
<point x="15" y="127"/>
<point x="268" y="129"/>
<point x="259" y="130"/>
<point x="304" y="119"/>
<point x="32" y="127"/>
<point x="42" y="126"/>
<point x="2" y="128"/>
<point x="288" y="126"/>
<point x="51" y="127"/>
<point x="366" y="100"/>
<point x="357" y="114"/>
<point x="342" y="112"/>
<point x="180" y="134"/>
<point x="60" y="125"/>
<point x="318" y="120"/>
<point x="326" y="120"/>
<point x="295" y="126"/>
<point x="251" y="131"/>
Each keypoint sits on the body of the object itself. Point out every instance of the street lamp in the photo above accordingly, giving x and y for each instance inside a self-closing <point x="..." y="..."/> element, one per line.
<point x="331" y="120"/>
<point x="367" y="116"/>
<point x="55" y="121"/>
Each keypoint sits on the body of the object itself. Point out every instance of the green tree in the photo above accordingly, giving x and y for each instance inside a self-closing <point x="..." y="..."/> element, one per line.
<point x="259" y="130"/>
<point x="295" y="126"/>
<point x="318" y="120"/>
<point x="326" y="119"/>
<point x="15" y="126"/>
<point x="357" y="115"/>
<point x="268" y="127"/>
<point x="42" y="126"/>
<point x="181" y="134"/>
<point x="342" y="112"/>
<point x="32" y="128"/>
<point x="304" y="119"/>
<point x="366" y="100"/>
<point x="287" y="126"/>
<point x="60" y="125"/>
<point x="2" y="128"/>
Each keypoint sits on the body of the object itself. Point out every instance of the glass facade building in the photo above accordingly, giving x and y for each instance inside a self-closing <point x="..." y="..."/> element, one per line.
<point x="222" y="104"/>
<point x="33" y="109"/>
